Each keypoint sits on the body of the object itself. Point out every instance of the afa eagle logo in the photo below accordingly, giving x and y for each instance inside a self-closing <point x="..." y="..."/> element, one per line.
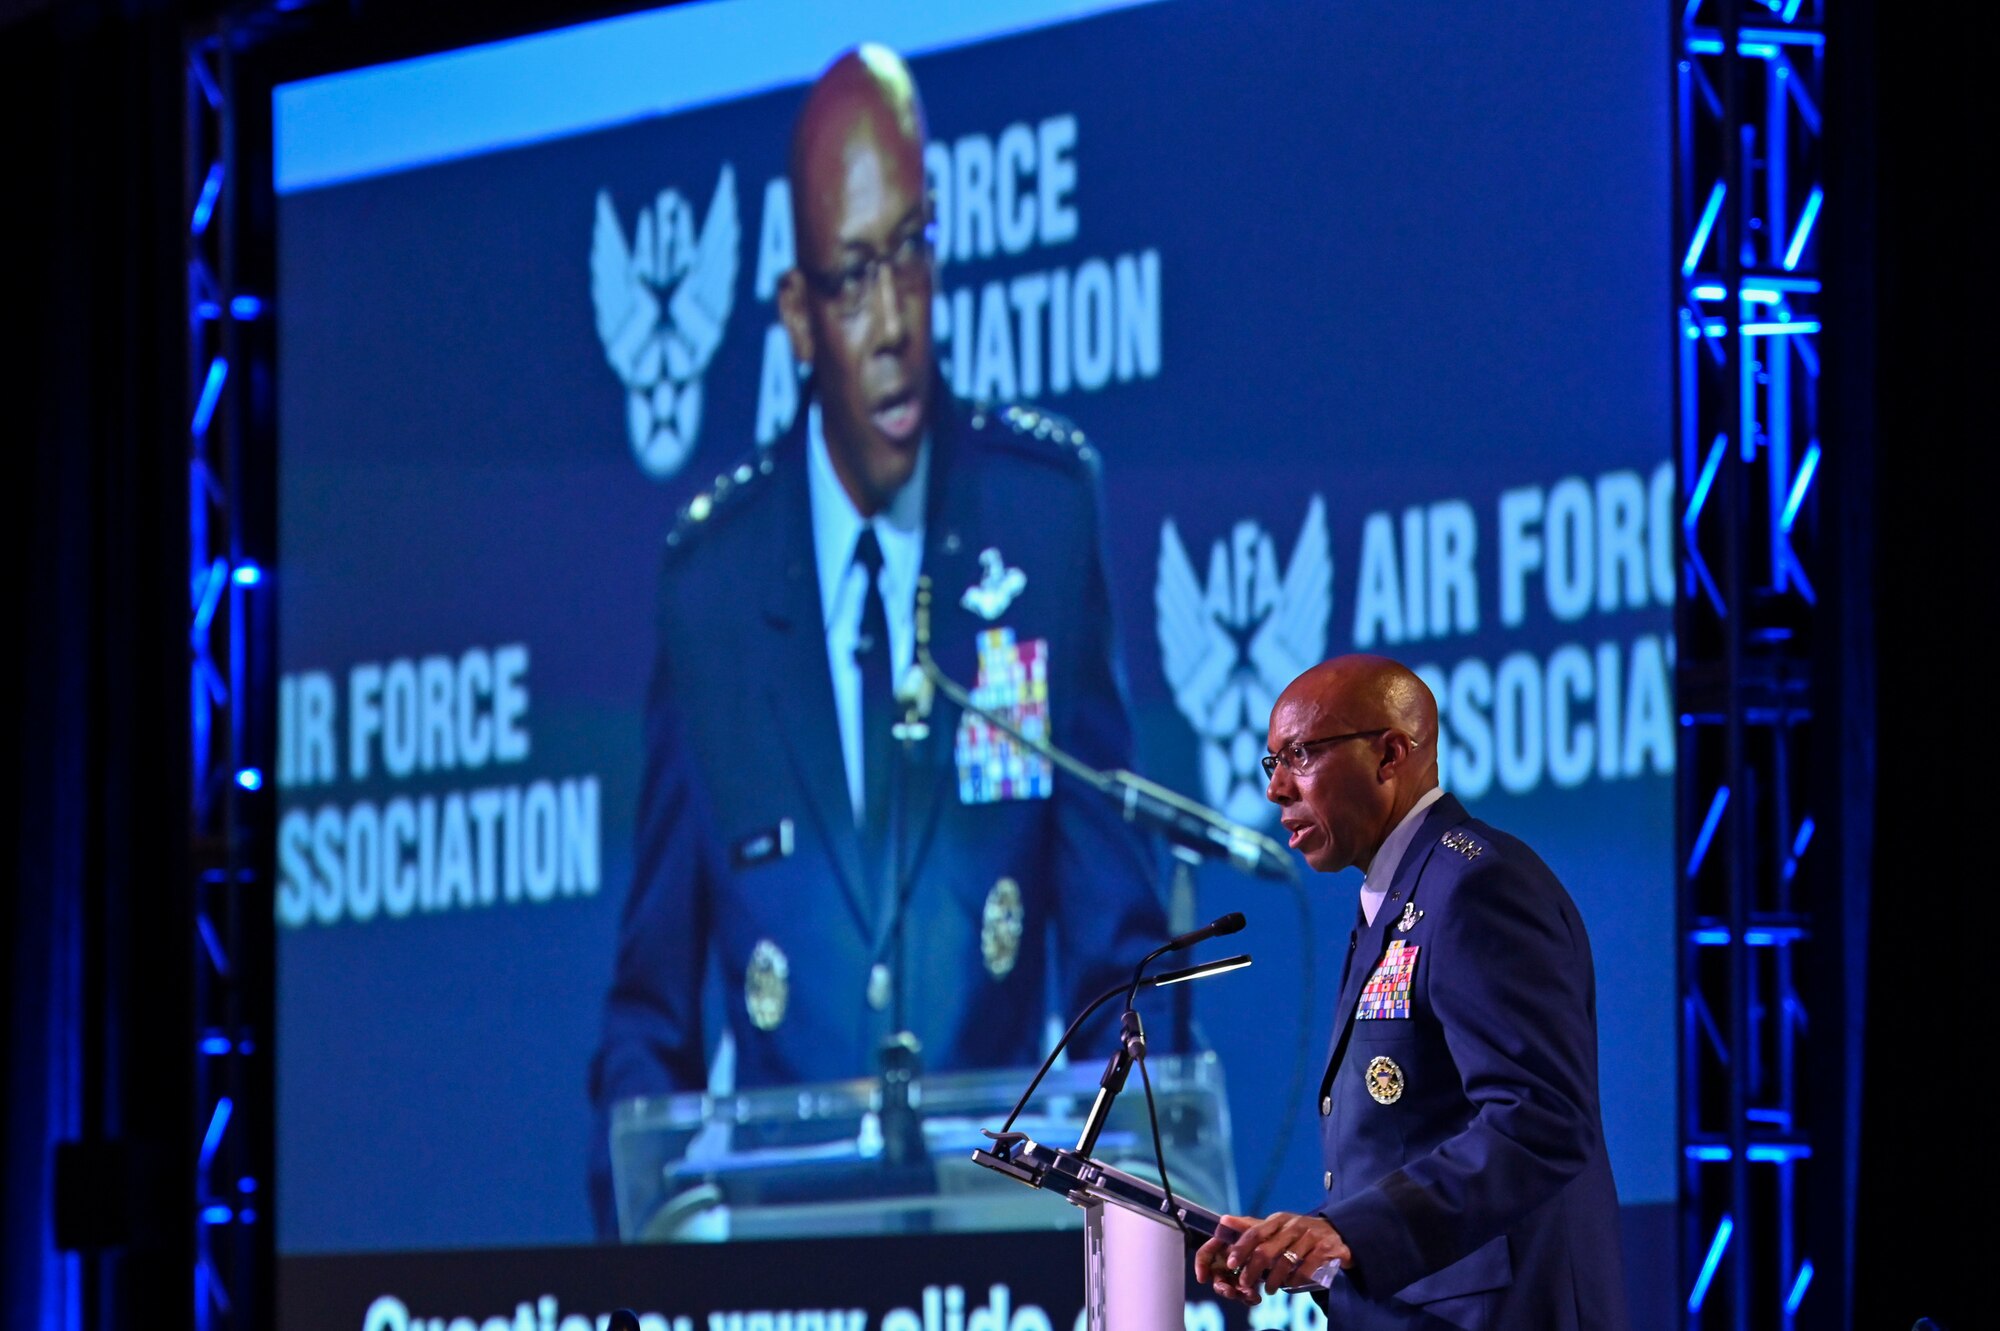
<point x="662" y="302"/>
<point x="1229" y="647"/>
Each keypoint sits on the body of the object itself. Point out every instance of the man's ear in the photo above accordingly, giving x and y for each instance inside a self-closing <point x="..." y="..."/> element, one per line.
<point x="1397" y="749"/>
<point x="797" y="317"/>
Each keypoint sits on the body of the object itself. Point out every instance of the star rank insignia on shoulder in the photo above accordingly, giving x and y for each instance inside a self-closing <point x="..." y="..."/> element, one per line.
<point x="1036" y="431"/>
<point x="702" y="510"/>
<point x="1464" y="843"/>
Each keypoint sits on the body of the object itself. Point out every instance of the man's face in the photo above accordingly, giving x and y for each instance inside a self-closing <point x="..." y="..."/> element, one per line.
<point x="1336" y="806"/>
<point x="860" y="311"/>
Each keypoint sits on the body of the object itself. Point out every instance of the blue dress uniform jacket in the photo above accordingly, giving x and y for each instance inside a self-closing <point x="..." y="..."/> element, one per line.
<point x="1465" y="1157"/>
<point x="748" y="859"/>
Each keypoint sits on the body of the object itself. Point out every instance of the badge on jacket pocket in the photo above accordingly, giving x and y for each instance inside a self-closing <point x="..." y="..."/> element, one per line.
<point x="1387" y="993"/>
<point x="1013" y="685"/>
<point x="1385" y="1080"/>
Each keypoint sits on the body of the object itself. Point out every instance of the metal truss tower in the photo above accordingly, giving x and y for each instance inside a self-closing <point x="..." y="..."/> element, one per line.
<point x="229" y="637"/>
<point x="1749" y="194"/>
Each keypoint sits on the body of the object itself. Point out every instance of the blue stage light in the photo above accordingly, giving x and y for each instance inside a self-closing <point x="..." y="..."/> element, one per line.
<point x="211" y="393"/>
<point x="204" y="207"/>
<point x="1804" y="1279"/>
<point x="217" y="1214"/>
<point x="1709" y="1263"/>
<point x="248" y="575"/>
<point x="1707" y="833"/>
<point x="215" y="1044"/>
<point x="246" y="307"/>
<point x="1807" y="217"/>
<point x="216" y="1124"/>
<point x="1808" y="466"/>
<point x="250" y="778"/>
<point x="1709" y="467"/>
<point x="1707" y="223"/>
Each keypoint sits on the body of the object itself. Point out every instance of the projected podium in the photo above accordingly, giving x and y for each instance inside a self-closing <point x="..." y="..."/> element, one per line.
<point x="875" y="1156"/>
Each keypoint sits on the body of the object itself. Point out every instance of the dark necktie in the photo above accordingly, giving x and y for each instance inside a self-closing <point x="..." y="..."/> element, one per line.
<point x="878" y="702"/>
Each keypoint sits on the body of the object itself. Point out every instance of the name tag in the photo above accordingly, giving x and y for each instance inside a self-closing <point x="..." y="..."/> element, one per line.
<point x="773" y="843"/>
<point x="1387" y="993"/>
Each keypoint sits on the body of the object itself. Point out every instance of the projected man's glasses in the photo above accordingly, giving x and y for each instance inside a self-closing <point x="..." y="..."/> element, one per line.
<point x="849" y="287"/>
<point x="1297" y="756"/>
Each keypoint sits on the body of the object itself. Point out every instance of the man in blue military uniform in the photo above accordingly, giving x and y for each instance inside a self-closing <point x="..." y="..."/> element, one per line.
<point x="1466" y="1179"/>
<point x="851" y="875"/>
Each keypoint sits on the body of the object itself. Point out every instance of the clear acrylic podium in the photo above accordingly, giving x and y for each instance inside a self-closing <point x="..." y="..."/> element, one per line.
<point x="865" y="1157"/>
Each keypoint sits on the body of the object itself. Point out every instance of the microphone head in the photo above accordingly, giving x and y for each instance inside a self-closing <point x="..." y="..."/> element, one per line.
<point x="1231" y="923"/>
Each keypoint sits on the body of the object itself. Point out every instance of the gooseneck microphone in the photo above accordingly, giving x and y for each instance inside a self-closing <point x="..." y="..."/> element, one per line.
<point x="1220" y="927"/>
<point x="1228" y="924"/>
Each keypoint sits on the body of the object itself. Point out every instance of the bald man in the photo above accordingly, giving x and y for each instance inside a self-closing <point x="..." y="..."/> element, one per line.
<point x="839" y="882"/>
<point x="1466" y="1182"/>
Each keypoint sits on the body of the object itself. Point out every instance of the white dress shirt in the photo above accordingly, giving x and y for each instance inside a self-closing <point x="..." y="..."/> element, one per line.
<point x="837" y="524"/>
<point x="1383" y="869"/>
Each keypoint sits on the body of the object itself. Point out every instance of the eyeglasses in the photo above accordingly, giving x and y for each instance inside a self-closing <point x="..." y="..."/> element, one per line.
<point x="1297" y="756"/>
<point x="849" y="287"/>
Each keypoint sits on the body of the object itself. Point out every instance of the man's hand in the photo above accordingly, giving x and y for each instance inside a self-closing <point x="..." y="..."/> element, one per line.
<point x="1281" y="1249"/>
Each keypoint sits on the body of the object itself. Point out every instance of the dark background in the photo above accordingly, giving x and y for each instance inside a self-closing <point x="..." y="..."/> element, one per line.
<point x="96" y="525"/>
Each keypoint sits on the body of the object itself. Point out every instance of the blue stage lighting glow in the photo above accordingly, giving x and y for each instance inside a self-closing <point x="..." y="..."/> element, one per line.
<point x="1714" y="291"/>
<point x="216" y="1214"/>
<point x="216" y="1124"/>
<point x="204" y="206"/>
<point x="1806" y="1267"/>
<point x="1783" y="36"/>
<point x="250" y="778"/>
<point x="215" y="1044"/>
<point x="1709" y="213"/>
<point x="246" y="307"/>
<point x="1710" y="1262"/>
<point x="248" y="575"/>
<point x="1803" y="839"/>
<point x="1709" y="467"/>
<point x="246" y="1184"/>
<point x="1808" y="468"/>
<point x="1716" y="935"/>
<point x="1707" y="833"/>
<point x="1807" y="216"/>
<point x="211" y="393"/>
<point x="1763" y="1153"/>
<point x="1781" y="329"/>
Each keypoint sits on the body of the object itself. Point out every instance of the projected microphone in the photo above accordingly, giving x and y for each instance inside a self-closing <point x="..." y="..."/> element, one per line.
<point x="1192" y="826"/>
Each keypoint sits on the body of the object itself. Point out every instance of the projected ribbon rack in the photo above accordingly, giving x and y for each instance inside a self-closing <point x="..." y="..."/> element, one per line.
<point x="1750" y="198"/>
